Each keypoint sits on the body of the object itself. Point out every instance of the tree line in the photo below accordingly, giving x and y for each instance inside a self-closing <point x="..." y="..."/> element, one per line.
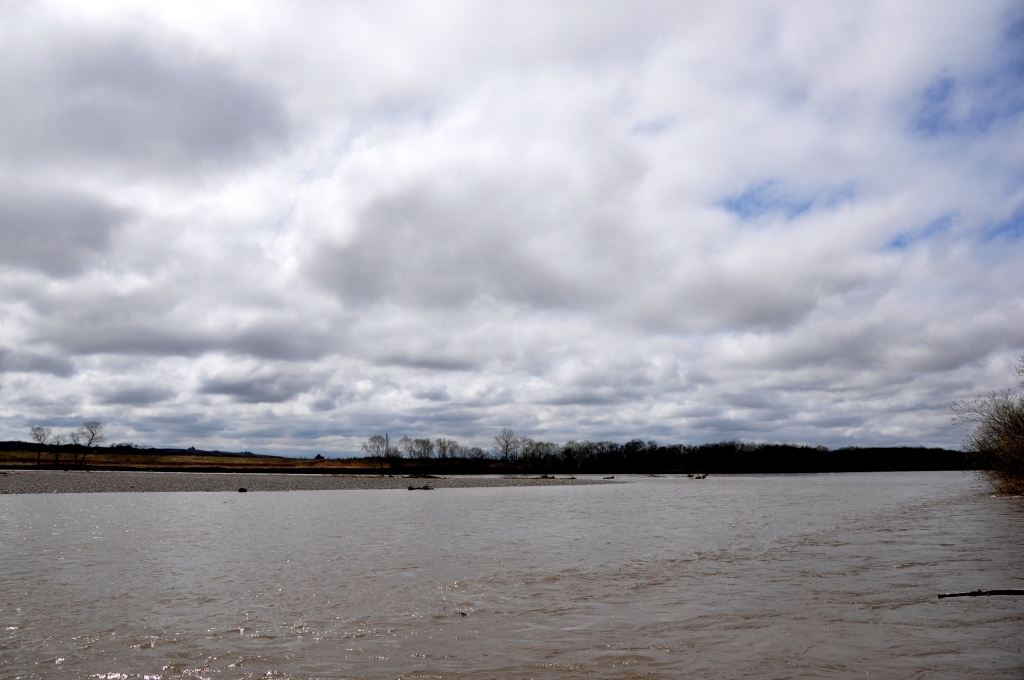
<point x="80" y="440"/>
<point x="387" y="454"/>
<point x="515" y="453"/>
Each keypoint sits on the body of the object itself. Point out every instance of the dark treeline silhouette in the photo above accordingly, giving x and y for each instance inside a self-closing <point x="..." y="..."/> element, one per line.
<point x="512" y="453"/>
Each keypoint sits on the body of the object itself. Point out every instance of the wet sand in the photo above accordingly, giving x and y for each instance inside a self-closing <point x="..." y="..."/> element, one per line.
<point x="81" y="481"/>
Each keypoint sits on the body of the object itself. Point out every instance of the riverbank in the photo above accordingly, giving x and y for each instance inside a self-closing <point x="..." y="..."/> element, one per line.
<point x="81" y="481"/>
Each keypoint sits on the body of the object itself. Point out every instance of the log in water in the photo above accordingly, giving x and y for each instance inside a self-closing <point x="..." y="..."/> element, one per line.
<point x="980" y="593"/>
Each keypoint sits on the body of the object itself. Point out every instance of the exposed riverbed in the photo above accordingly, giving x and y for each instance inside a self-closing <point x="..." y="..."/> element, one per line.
<point x="82" y="481"/>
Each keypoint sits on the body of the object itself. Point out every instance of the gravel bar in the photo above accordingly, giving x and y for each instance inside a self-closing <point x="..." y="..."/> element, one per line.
<point x="81" y="481"/>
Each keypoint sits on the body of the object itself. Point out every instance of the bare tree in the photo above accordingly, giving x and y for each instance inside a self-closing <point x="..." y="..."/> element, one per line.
<point x="526" y="445"/>
<point x="392" y="453"/>
<point x="377" y="447"/>
<point x="75" y="437"/>
<point x="534" y="453"/>
<point x="39" y="434"/>
<point x="91" y="434"/>
<point x="447" y="449"/>
<point x="996" y="440"/>
<point x="405" y="446"/>
<point x="57" y="441"/>
<point x="506" y="445"/>
<point x="422" y="449"/>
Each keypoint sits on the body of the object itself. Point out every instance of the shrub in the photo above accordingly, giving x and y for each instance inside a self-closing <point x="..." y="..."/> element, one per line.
<point x="996" y="439"/>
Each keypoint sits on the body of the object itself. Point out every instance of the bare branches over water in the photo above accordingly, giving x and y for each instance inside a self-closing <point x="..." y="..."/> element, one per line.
<point x="995" y="441"/>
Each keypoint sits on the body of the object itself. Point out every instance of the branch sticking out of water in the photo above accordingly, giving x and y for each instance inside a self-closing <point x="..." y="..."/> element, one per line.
<point x="976" y="593"/>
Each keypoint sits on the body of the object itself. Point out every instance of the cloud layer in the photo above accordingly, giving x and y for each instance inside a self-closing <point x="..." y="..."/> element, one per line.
<point x="289" y="226"/>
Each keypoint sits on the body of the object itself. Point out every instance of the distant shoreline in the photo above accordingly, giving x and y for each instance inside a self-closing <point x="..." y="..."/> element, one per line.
<point x="33" y="481"/>
<point x="594" y="458"/>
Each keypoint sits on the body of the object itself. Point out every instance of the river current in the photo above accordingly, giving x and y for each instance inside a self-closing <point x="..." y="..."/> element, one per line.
<point x="791" y="576"/>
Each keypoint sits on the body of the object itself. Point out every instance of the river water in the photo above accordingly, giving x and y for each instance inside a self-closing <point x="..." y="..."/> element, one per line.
<point x="802" y="576"/>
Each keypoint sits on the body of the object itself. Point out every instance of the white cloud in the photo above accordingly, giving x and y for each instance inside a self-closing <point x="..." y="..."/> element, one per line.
<point x="286" y="226"/>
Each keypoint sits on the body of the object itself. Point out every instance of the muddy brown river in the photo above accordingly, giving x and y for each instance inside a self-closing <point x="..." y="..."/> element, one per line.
<point x="796" y="576"/>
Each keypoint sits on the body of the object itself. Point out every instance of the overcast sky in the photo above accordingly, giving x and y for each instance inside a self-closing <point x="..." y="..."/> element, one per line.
<point x="285" y="227"/>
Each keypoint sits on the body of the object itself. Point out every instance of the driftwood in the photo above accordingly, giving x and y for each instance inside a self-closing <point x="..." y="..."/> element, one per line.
<point x="977" y="593"/>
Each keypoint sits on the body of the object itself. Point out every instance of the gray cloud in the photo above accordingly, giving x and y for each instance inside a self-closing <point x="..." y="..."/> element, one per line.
<point x="436" y="363"/>
<point x="599" y="397"/>
<point x="32" y="362"/>
<point x="126" y="101"/>
<point x="259" y="387"/>
<point x="435" y="393"/>
<point x="286" y="339"/>
<point x="180" y="427"/>
<point x="53" y="231"/>
<point x="763" y="221"/>
<point x="153" y="321"/>
<point x="426" y="246"/>
<point x="422" y="248"/>
<point x="138" y="395"/>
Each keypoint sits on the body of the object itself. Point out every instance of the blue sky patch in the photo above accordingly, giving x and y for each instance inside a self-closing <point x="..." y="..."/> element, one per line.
<point x="771" y="197"/>
<point x="1010" y="229"/>
<point x="908" y="238"/>
<point x="971" y="106"/>
<point x="933" y="116"/>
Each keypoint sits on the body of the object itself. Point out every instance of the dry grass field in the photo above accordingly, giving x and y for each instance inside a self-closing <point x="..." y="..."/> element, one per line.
<point x="140" y="459"/>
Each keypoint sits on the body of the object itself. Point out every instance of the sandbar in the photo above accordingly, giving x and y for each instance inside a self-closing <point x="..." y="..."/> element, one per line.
<point x="104" y="481"/>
